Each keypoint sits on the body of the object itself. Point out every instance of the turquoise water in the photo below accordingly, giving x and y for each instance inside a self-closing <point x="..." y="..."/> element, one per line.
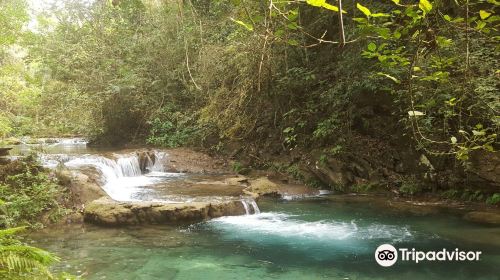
<point x="308" y="239"/>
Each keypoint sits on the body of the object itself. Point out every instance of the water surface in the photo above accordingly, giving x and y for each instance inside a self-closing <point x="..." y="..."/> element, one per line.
<point x="300" y="239"/>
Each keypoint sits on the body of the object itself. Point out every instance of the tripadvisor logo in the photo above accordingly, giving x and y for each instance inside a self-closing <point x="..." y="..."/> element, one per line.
<point x="387" y="255"/>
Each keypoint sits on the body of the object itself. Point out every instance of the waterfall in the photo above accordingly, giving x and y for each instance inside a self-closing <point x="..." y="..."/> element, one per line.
<point x="129" y="166"/>
<point x="245" y="205"/>
<point x="124" y="166"/>
<point x="256" y="209"/>
<point x="250" y="203"/>
<point x="156" y="164"/>
<point x="109" y="168"/>
<point x="122" y="176"/>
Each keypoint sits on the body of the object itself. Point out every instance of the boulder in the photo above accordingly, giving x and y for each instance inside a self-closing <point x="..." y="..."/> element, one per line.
<point x="50" y="141"/>
<point x="84" y="188"/>
<point x="106" y="211"/>
<point x="262" y="187"/>
<point x="486" y="166"/>
<point x="4" y="151"/>
<point x="145" y="159"/>
<point x="12" y="141"/>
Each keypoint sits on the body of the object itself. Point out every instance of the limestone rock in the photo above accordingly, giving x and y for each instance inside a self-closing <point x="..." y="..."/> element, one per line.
<point x="262" y="187"/>
<point x="106" y="211"/>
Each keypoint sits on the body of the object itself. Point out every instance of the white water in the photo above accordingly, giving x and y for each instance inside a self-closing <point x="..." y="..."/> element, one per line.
<point x="287" y="227"/>
<point x="122" y="177"/>
<point x="250" y="203"/>
<point x="256" y="209"/>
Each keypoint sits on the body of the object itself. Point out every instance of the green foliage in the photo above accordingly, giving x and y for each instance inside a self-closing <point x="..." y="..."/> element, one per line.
<point x="292" y="170"/>
<point x="171" y="128"/>
<point x="471" y="195"/>
<point x="494" y="199"/>
<point x="27" y="192"/>
<point x="410" y="186"/>
<point x="263" y="73"/>
<point x="19" y="261"/>
<point x="426" y="53"/>
<point x="237" y="166"/>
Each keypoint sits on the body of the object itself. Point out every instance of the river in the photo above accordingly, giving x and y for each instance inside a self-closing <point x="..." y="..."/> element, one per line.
<point x="310" y="237"/>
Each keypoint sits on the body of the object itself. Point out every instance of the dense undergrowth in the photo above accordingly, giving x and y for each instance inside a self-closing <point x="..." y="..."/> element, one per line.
<point x="29" y="198"/>
<point x="29" y="195"/>
<point x="262" y="79"/>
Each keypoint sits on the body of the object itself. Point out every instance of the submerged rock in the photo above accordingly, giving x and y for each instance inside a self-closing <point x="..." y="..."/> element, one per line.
<point x="483" y="217"/>
<point x="106" y="211"/>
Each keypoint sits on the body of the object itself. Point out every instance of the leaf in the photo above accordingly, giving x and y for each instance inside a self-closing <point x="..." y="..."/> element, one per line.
<point x="292" y="26"/>
<point x="447" y="17"/>
<point x="380" y="15"/>
<point x="372" y="47"/>
<point x="293" y="42"/>
<point x="330" y="7"/>
<point x="316" y="3"/>
<point x="323" y="4"/>
<point x="249" y="27"/>
<point x="425" y="6"/>
<point x="415" y="113"/>
<point x="484" y="14"/>
<point x="363" y="9"/>
<point x="453" y="140"/>
<point x="389" y="76"/>
<point x="478" y="133"/>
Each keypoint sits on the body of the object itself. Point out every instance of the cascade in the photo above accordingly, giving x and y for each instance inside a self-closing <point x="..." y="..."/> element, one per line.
<point x="250" y="203"/>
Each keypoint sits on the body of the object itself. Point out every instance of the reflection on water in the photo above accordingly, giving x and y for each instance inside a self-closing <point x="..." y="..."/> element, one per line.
<point x="313" y="239"/>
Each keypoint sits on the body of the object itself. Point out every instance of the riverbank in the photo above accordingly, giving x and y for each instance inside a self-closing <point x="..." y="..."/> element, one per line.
<point x="85" y="186"/>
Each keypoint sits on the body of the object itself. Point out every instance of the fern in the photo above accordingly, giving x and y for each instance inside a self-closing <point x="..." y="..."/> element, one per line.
<point x="19" y="261"/>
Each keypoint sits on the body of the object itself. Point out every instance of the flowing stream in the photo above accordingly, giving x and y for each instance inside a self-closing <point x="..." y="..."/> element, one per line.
<point x="315" y="238"/>
<point x="294" y="238"/>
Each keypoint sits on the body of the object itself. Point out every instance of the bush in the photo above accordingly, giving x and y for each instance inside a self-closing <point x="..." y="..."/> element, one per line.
<point x="171" y="128"/>
<point x="494" y="199"/>
<point x="27" y="192"/>
<point x="410" y="186"/>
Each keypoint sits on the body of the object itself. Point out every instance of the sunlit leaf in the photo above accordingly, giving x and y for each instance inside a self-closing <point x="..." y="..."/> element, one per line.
<point x="380" y="15"/>
<point x="323" y="4"/>
<point x="246" y="25"/>
<point x="484" y="14"/>
<point x="293" y="42"/>
<point x="372" y="47"/>
<point x="316" y="3"/>
<point x="330" y="7"/>
<point x="453" y="140"/>
<point x="415" y="113"/>
<point x="389" y="76"/>
<point x="363" y="9"/>
<point x="425" y="6"/>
